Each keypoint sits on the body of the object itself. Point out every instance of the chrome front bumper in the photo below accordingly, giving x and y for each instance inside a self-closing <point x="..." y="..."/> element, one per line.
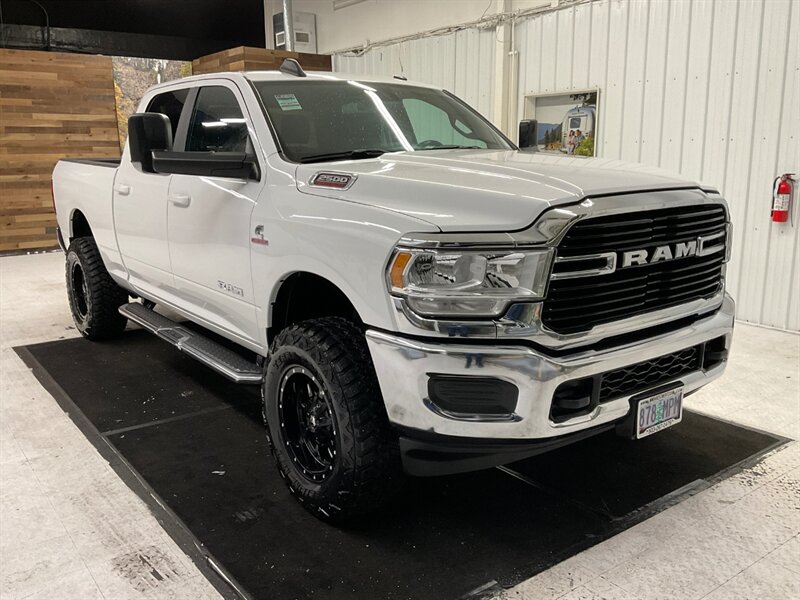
<point x="403" y="365"/>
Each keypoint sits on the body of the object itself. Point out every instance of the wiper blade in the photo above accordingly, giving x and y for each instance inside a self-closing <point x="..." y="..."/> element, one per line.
<point x="353" y="154"/>
<point x="450" y="147"/>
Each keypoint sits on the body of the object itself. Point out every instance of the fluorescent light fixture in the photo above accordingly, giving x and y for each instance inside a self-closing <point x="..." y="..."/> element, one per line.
<point x="214" y="124"/>
<point x="232" y="120"/>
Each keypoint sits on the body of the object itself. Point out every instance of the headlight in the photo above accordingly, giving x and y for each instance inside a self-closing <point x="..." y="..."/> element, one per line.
<point x="471" y="283"/>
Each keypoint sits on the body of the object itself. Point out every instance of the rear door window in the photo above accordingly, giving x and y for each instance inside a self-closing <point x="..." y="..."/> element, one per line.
<point x="170" y="104"/>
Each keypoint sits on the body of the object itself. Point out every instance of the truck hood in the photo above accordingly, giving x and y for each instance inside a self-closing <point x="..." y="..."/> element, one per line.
<point x="482" y="190"/>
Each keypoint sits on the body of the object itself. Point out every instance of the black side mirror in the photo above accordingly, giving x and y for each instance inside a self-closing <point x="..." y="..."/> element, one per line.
<point x="239" y="165"/>
<point x="148" y="132"/>
<point x="527" y="135"/>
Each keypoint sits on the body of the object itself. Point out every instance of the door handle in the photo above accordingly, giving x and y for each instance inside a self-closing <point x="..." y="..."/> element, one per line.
<point x="180" y="199"/>
<point x="122" y="189"/>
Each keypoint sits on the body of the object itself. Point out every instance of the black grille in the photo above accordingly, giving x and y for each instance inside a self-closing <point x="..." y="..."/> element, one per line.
<point x="650" y="373"/>
<point x="579" y="304"/>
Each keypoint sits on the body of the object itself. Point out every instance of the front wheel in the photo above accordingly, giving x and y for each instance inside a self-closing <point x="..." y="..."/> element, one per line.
<point x="94" y="298"/>
<point x="326" y="420"/>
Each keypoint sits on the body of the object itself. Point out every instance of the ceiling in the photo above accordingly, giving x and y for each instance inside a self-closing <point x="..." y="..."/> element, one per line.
<point x="228" y="22"/>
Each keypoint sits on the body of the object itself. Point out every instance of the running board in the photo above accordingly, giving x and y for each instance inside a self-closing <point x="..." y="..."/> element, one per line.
<point x="223" y="360"/>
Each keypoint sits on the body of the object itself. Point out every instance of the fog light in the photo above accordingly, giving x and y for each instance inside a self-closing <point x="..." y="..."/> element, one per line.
<point x="474" y="398"/>
<point x="572" y="398"/>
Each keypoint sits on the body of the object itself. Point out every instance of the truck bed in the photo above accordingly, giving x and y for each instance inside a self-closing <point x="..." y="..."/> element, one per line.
<point x="85" y="186"/>
<point x="99" y="162"/>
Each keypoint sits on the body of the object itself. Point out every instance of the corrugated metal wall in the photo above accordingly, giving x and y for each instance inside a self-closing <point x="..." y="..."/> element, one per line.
<point x="706" y="88"/>
<point x="462" y="62"/>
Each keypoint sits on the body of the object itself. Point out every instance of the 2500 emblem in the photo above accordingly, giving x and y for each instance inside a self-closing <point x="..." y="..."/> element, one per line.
<point x="339" y="181"/>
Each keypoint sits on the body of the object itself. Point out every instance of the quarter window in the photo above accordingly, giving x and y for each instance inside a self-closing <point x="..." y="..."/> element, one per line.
<point x="217" y="124"/>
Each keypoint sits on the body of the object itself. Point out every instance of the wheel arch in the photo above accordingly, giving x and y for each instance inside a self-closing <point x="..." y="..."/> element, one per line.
<point x="79" y="225"/>
<point x="302" y="295"/>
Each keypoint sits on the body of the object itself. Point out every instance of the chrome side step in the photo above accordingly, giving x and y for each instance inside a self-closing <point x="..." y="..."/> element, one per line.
<point x="223" y="360"/>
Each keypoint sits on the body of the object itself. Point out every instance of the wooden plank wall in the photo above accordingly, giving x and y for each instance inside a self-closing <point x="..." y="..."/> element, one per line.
<point x="246" y="58"/>
<point x="52" y="105"/>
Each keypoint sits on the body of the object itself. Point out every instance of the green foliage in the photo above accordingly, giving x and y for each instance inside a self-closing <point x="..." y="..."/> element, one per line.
<point x="585" y="148"/>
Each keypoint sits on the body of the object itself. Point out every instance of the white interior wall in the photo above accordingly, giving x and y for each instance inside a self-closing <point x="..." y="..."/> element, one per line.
<point x="708" y="89"/>
<point x="377" y="20"/>
<point x="461" y="62"/>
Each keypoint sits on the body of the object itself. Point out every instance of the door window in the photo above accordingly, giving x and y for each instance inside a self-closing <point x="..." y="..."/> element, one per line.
<point x="170" y="104"/>
<point x="217" y="123"/>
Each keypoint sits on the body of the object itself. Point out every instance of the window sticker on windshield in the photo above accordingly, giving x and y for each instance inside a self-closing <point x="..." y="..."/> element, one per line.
<point x="288" y="102"/>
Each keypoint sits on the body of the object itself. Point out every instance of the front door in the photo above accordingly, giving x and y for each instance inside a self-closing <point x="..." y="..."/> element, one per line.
<point x="209" y="219"/>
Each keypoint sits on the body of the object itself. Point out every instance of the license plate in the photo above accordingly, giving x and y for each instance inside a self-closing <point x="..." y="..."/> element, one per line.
<point x="659" y="412"/>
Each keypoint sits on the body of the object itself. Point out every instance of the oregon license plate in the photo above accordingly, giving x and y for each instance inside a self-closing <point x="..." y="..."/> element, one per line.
<point x="659" y="412"/>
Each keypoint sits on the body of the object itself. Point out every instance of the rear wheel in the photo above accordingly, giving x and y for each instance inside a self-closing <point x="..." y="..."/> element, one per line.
<point x="326" y="420"/>
<point x="94" y="298"/>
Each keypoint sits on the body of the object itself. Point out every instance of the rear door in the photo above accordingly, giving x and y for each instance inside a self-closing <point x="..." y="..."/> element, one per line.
<point x="140" y="210"/>
<point x="209" y="217"/>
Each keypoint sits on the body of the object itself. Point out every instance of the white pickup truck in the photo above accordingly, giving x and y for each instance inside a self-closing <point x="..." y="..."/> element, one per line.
<point x="412" y="292"/>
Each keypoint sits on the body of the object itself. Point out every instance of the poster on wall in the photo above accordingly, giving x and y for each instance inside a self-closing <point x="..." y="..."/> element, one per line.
<point x="133" y="76"/>
<point x="566" y="123"/>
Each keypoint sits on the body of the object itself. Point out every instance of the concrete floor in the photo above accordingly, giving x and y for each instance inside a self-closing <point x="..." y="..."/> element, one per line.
<point x="69" y="527"/>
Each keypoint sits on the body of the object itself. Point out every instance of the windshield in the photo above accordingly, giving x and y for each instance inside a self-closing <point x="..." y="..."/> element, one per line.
<point x="328" y="120"/>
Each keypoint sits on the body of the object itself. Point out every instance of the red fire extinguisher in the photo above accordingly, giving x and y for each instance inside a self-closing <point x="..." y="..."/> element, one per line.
<point x="782" y="193"/>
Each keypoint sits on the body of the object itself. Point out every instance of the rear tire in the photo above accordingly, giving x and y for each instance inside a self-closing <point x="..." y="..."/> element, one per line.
<point x="326" y="421"/>
<point x="94" y="298"/>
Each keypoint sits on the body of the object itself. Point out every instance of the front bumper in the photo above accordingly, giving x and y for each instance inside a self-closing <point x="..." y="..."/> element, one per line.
<point x="403" y="366"/>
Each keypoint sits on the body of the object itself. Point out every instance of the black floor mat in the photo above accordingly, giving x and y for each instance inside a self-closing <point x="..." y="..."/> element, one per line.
<point x="198" y="442"/>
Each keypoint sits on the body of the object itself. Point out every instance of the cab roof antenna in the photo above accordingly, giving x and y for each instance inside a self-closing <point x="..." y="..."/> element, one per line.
<point x="290" y="66"/>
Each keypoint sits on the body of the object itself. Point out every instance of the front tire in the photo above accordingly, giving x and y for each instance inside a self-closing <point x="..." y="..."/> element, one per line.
<point x="94" y="298"/>
<point x="326" y="421"/>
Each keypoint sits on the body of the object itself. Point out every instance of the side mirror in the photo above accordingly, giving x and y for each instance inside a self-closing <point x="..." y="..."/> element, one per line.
<point x="527" y="135"/>
<point x="148" y="132"/>
<point x="238" y="165"/>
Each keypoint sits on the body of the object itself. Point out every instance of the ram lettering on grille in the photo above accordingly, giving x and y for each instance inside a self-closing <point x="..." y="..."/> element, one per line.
<point x="617" y="266"/>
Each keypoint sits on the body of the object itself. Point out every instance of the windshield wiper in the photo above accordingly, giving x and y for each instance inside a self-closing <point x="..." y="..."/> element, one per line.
<point x="450" y="147"/>
<point x="353" y="154"/>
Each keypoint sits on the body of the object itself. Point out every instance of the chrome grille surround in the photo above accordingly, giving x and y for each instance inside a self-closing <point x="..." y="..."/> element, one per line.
<point x="643" y="262"/>
<point x="524" y="321"/>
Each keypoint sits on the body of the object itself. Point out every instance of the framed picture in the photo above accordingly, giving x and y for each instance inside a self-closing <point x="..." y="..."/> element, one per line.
<point x="566" y="122"/>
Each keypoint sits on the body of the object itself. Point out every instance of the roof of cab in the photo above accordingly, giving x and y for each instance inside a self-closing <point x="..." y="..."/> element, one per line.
<point x="310" y="76"/>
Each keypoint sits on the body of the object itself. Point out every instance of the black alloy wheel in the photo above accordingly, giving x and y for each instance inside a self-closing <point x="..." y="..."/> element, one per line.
<point x="79" y="291"/>
<point x="326" y="421"/>
<point x="94" y="298"/>
<point x="308" y="427"/>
